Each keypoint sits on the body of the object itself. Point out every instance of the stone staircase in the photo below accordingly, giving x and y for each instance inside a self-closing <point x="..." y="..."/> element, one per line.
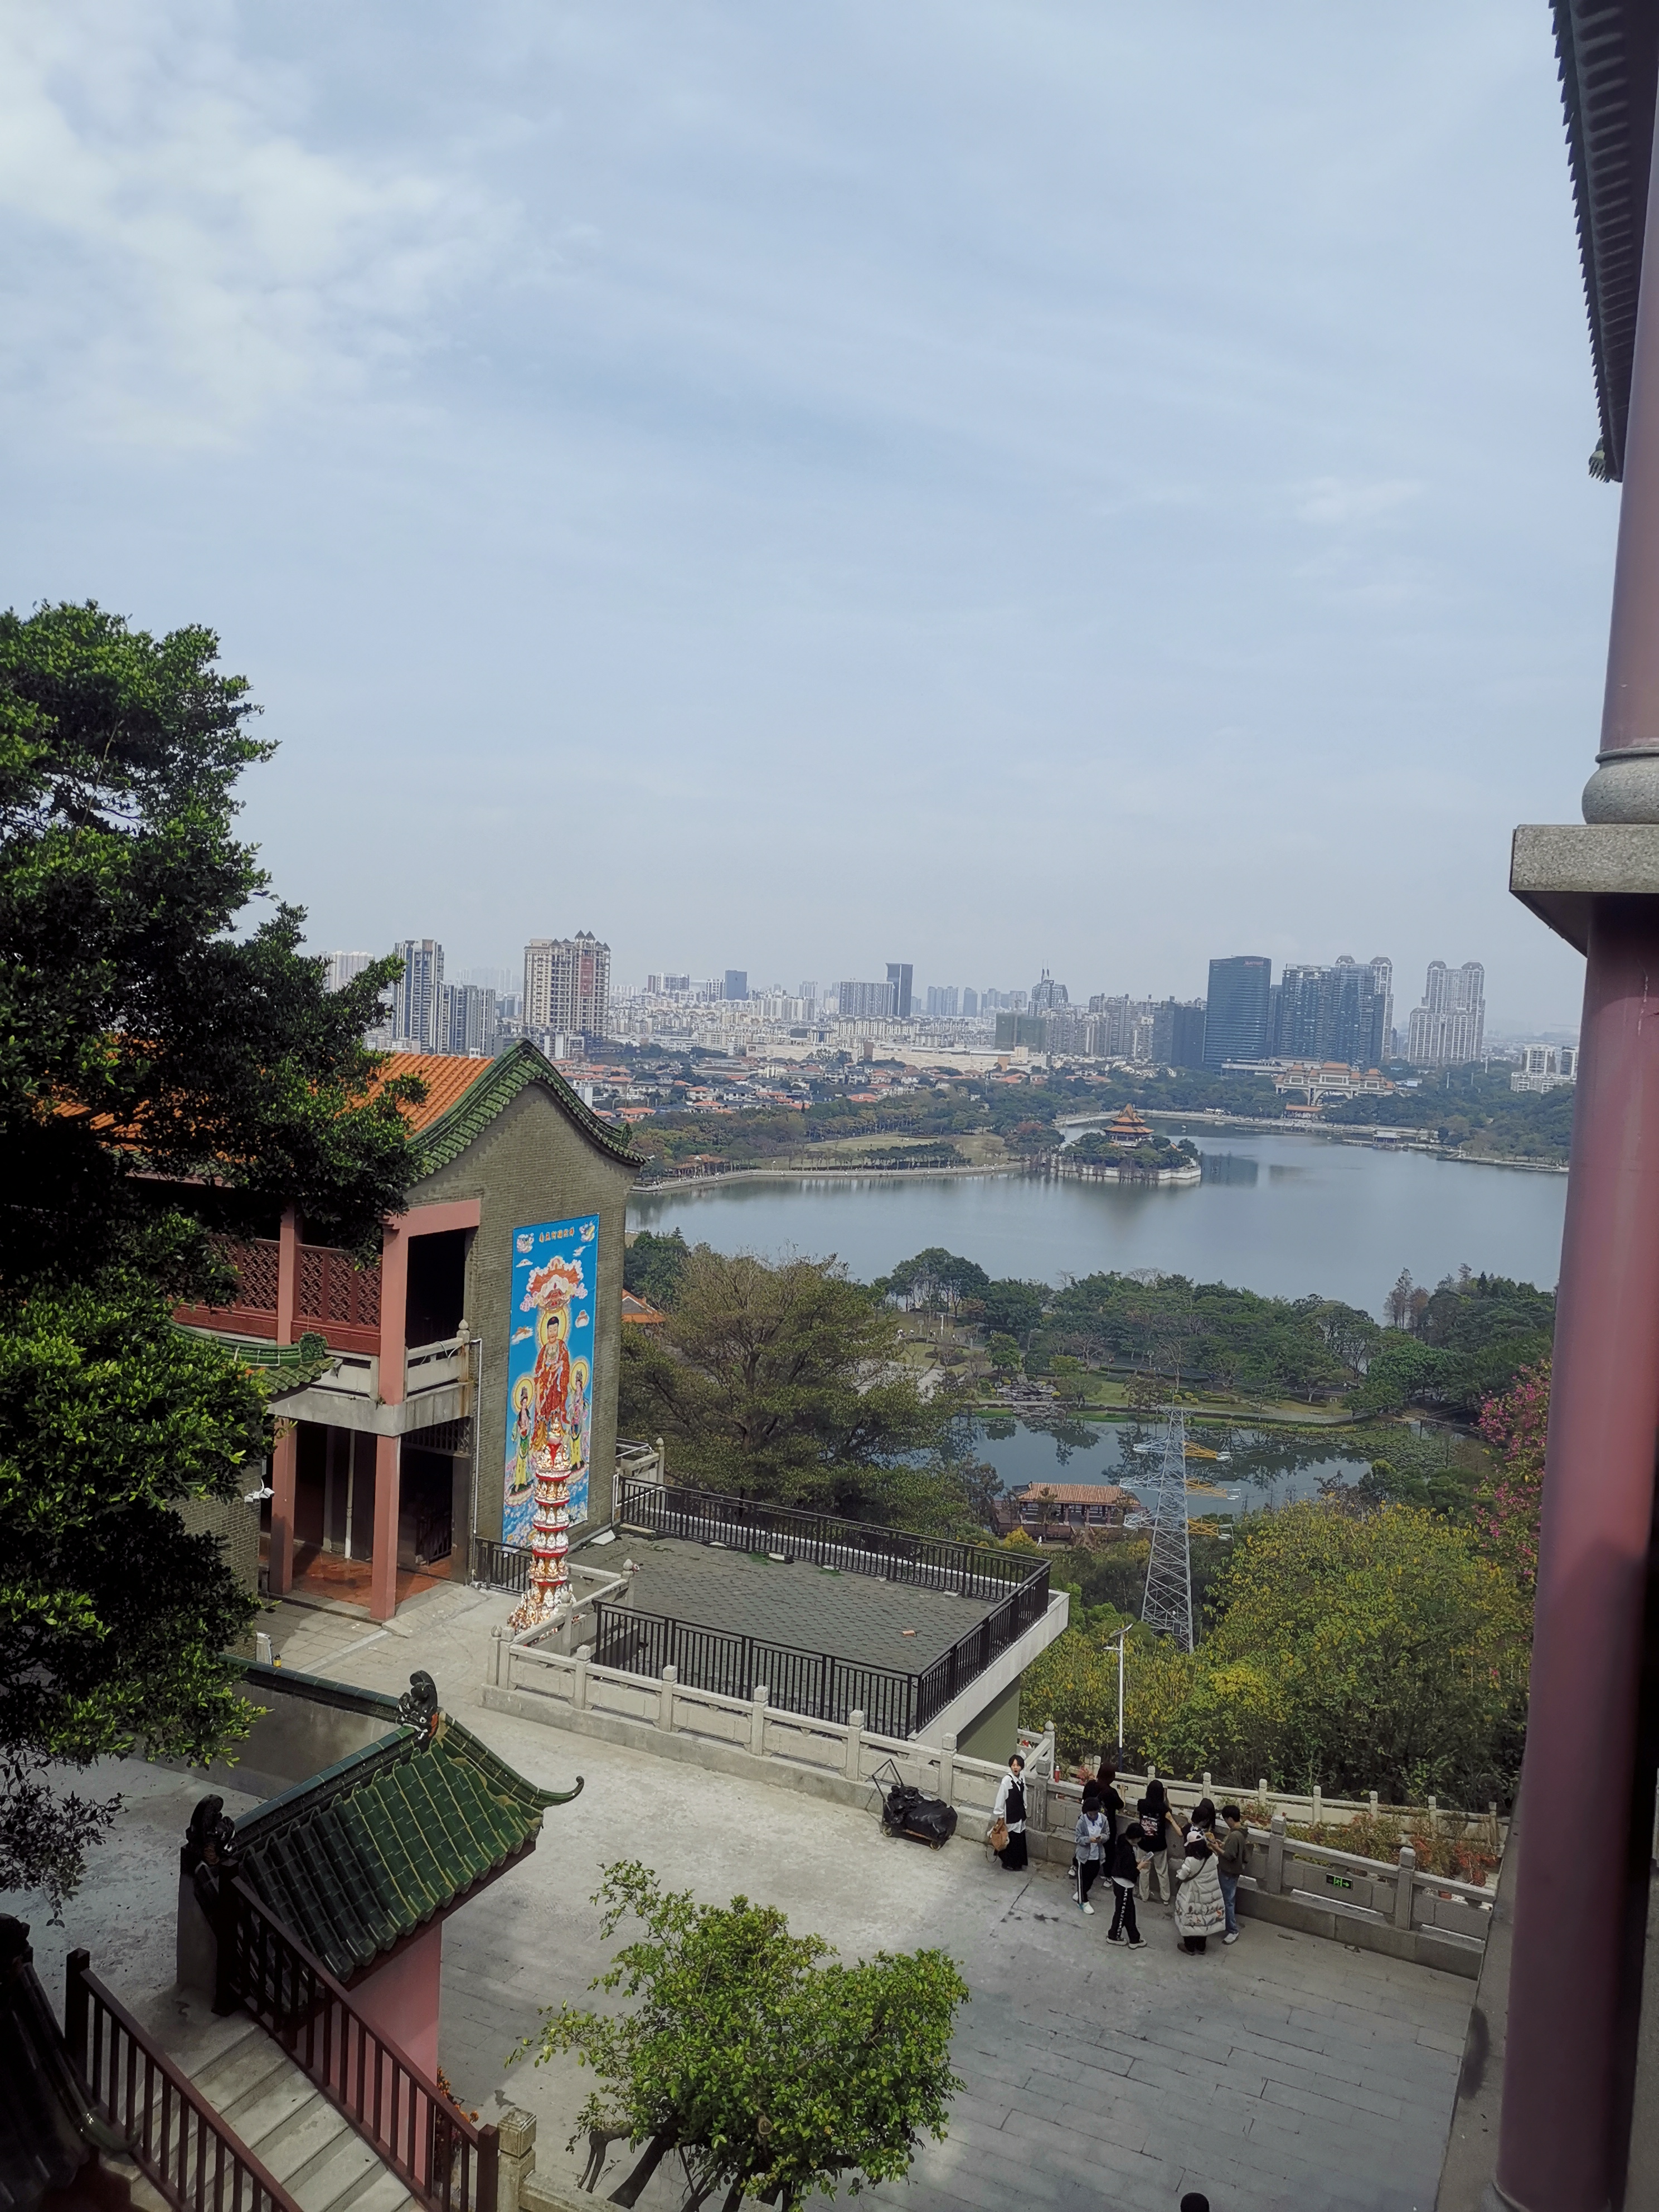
<point x="306" y="2142"/>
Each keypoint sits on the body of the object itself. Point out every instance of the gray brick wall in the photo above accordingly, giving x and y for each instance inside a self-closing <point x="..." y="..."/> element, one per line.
<point x="533" y="1164"/>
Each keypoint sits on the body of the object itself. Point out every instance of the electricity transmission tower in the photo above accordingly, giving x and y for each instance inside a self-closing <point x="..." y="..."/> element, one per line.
<point x="1168" y="1604"/>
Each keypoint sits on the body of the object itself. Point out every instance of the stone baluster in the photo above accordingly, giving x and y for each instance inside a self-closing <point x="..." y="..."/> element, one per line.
<point x="947" y="1767"/>
<point x="854" y="1743"/>
<point x="1403" y="1887"/>
<point x="666" y="1700"/>
<point x="1276" y="1855"/>
<point x="757" y="1719"/>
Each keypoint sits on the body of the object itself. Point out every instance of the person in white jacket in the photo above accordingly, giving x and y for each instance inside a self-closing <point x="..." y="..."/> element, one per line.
<point x="1010" y="1808"/>
<point x="1200" y="1911"/>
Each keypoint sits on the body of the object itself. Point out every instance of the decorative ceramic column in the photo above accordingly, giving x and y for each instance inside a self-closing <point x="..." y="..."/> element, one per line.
<point x="548" y="1598"/>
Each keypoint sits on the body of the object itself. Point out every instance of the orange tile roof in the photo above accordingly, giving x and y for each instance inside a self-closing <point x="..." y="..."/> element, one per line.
<point x="446" y="1075"/>
<point x="1073" y="1493"/>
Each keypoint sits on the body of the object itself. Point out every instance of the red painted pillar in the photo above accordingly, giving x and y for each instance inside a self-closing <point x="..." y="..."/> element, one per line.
<point x="279" y="1566"/>
<point x="388" y="1450"/>
<point x="383" y="1570"/>
<point x="1556" y="2150"/>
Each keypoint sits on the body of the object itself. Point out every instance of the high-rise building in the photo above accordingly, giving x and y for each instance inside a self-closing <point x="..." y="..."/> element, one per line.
<point x="1046" y="994"/>
<point x="1177" y="1039"/>
<point x="676" y="982"/>
<point x="942" y="1000"/>
<point x="865" y="1002"/>
<point x="898" y="975"/>
<point x="1335" y="1013"/>
<point x="466" y="1018"/>
<point x="1450" y="1028"/>
<point x="1013" y="1030"/>
<point x="1236" y="1010"/>
<point x="970" y="1005"/>
<point x="567" y="984"/>
<point x="811" y="992"/>
<point x="340" y="968"/>
<point x="414" y="996"/>
<point x="1383" y="992"/>
<point x="736" y="983"/>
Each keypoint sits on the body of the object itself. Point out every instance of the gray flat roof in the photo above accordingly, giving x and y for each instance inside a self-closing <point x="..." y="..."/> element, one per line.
<point x="854" y="1617"/>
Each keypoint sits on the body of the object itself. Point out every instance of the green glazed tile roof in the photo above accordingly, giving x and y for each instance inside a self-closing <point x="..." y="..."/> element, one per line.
<point x="369" y="1850"/>
<point x="496" y="1088"/>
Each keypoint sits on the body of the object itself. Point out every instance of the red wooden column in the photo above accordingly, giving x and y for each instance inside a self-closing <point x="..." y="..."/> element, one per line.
<point x="1557" y="2147"/>
<point x="388" y="1449"/>
<point x="279" y="1566"/>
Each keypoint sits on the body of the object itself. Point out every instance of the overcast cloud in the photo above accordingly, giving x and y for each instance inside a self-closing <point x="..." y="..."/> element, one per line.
<point x="992" y="485"/>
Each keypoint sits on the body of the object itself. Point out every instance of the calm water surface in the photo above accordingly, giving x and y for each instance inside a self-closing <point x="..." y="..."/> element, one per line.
<point x="1262" y="1467"/>
<point x="1285" y="1215"/>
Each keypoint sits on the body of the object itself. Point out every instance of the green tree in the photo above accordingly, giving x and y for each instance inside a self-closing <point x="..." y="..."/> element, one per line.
<point x="1381" y="1652"/>
<point x="784" y="1384"/>
<point x="169" y="1077"/>
<point x="652" y="1266"/>
<point x="1005" y="1354"/>
<point x="771" y="2068"/>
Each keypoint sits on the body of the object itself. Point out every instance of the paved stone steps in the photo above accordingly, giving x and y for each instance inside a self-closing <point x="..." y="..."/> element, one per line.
<point x="308" y="2144"/>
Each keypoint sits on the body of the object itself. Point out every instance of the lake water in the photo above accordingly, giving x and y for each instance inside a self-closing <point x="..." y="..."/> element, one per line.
<point x="1281" y="1214"/>
<point x="1261" y="1468"/>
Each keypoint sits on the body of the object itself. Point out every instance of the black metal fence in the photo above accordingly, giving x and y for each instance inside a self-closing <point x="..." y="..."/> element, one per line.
<point x="894" y="1554"/>
<point x="501" y="1566"/>
<point x="813" y="1683"/>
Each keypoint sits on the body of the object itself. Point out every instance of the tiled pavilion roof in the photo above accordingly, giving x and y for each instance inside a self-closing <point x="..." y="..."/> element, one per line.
<point x="357" y="1857"/>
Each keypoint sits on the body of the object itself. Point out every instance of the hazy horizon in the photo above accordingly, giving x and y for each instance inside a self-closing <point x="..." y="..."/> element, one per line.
<point x="994" y="486"/>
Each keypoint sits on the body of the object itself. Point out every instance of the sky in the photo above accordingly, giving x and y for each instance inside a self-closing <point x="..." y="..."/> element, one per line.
<point x="1003" y="485"/>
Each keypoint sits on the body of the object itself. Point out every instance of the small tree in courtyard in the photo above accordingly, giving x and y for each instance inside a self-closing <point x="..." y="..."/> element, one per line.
<point x="772" y="2070"/>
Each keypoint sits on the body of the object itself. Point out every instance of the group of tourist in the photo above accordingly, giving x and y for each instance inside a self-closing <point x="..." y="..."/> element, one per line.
<point x="1192" y="1868"/>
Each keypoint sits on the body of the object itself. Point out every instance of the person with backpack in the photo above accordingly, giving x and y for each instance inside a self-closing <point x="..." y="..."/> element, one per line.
<point x="1126" y="1880"/>
<point x="1151" y="1842"/>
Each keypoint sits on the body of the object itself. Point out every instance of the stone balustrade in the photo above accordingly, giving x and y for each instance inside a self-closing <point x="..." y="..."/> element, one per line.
<point x="1368" y="1903"/>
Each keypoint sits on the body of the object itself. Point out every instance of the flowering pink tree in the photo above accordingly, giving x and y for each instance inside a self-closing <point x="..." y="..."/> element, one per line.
<point x="1506" y="1510"/>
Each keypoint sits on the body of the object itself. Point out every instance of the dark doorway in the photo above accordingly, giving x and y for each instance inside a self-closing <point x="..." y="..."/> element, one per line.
<point x="437" y="1287"/>
<point x="425" y="1532"/>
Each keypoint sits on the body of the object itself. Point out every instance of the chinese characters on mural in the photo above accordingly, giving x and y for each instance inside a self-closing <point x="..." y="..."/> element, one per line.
<point x="550" y="1367"/>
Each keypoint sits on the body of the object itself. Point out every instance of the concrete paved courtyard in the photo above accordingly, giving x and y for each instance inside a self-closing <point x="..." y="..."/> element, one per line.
<point x="1282" y="2071"/>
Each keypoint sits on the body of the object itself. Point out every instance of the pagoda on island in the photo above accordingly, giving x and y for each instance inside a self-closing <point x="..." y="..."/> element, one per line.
<point x="1126" y="1126"/>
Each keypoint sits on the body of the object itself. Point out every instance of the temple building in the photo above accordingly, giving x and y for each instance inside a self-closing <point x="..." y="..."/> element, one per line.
<point x="431" y="1384"/>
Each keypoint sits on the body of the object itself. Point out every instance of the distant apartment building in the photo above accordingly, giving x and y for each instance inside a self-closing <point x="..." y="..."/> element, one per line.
<point x="942" y="1001"/>
<point x="898" y="977"/>
<point x="1177" y="1037"/>
<point x="866" y="1002"/>
<point x="811" y="992"/>
<point x="1449" y="1028"/>
<point x="566" y="985"/>
<point x="1015" y="1030"/>
<point x="970" y="1006"/>
<point x="1546" y="1067"/>
<point x="340" y="968"/>
<point x="676" y="982"/>
<point x="1046" y="994"/>
<point x="1335" y="1013"/>
<point x="467" y="1019"/>
<point x="1121" y="1025"/>
<point x="415" y="995"/>
<point x="1237" y="1008"/>
<point x="736" y="985"/>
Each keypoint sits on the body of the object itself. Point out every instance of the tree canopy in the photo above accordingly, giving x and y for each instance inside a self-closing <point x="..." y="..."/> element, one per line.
<point x="784" y="1383"/>
<point x="1378" y="1652"/>
<point x="773" y="2070"/>
<point x="1458" y="1346"/>
<point x="169" y="1075"/>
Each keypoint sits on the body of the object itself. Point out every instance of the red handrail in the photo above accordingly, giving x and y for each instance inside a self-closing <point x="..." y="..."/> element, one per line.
<point x="196" y="2159"/>
<point x="446" y="2159"/>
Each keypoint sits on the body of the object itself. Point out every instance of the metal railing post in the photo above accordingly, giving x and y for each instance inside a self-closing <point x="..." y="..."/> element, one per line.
<point x="75" y="2004"/>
